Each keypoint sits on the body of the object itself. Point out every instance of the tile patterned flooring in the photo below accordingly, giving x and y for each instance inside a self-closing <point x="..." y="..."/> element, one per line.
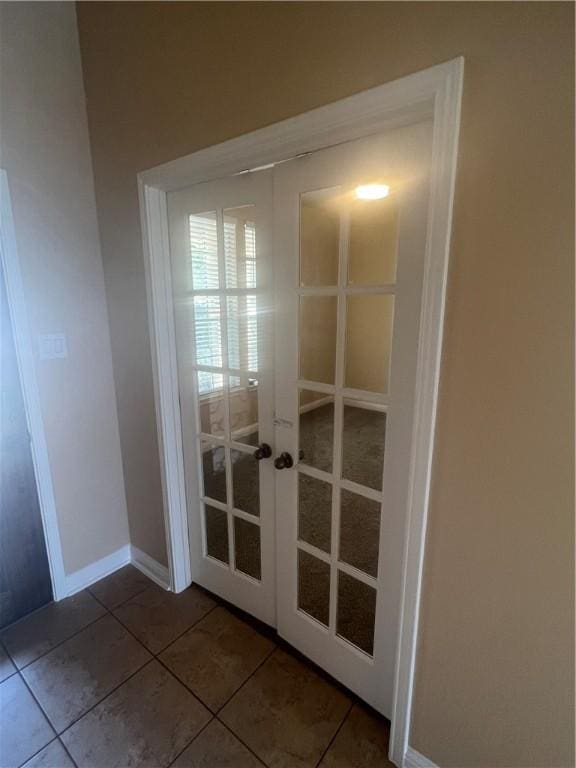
<point x="125" y="674"/>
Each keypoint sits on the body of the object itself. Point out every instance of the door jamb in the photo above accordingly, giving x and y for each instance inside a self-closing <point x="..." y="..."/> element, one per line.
<point x="30" y="390"/>
<point x="435" y="93"/>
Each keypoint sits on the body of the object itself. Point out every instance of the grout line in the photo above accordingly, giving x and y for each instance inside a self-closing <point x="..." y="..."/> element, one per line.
<point x="41" y="708"/>
<point x="241" y="742"/>
<point x="191" y="741"/>
<point x="250" y="676"/>
<point x="65" y="748"/>
<point x="333" y="739"/>
<point x="52" y="648"/>
<point x="38" y="751"/>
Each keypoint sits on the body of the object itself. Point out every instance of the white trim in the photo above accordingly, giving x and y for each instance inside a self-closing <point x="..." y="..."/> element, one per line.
<point x="149" y="567"/>
<point x="435" y="92"/>
<point x="84" y="577"/>
<point x="414" y="759"/>
<point x="442" y="181"/>
<point x="30" y="391"/>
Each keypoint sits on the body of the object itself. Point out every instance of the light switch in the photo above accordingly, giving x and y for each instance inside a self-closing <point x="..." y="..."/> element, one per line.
<point x="52" y="346"/>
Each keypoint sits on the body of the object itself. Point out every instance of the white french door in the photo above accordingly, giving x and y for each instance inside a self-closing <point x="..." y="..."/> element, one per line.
<point x="221" y="265"/>
<point x="316" y="363"/>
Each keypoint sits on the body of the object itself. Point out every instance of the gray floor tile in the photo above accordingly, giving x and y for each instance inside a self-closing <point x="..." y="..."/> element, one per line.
<point x="76" y="675"/>
<point x="42" y="630"/>
<point x="6" y="666"/>
<point x="157" y="617"/>
<point x="146" y="722"/>
<point x="52" y="756"/>
<point x="216" y="747"/>
<point x="120" y="586"/>
<point x="216" y="656"/>
<point x="23" y="728"/>
<point x="362" y="742"/>
<point x="286" y="713"/>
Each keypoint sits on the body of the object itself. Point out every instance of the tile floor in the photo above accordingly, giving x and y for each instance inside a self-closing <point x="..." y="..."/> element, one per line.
<point x="126" y="674"/>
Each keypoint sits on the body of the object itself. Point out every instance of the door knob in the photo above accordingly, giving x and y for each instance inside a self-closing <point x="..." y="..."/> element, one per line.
<point x="284" y="461"/>
<point x="262" y="452"/>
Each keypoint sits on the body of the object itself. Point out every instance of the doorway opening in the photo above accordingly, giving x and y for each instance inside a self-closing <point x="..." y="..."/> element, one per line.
<point x="329" y="515"/>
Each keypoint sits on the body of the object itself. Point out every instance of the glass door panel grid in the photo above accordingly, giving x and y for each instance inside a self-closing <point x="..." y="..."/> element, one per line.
<point x="222" y="375"/>
<point x="341" y="395"/>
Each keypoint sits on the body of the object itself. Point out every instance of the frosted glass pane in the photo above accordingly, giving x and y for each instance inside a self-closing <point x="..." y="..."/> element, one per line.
<point x="356" y="612"/>
<point x="316" y="429"/>
<point x="247" y="548"/>
<point x="364" y="432"/>
<point x="314" y="587"/>
<point x="314" y="512"/>
<point x="373" y="239"/>
<point x="216" y="523"/>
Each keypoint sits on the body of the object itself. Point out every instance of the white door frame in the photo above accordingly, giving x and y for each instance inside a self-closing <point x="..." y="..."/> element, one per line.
<point x="30" y="391"/>
<point x="433" y="93"/>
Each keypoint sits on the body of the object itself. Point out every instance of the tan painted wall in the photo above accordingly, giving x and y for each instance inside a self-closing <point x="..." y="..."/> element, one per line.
<point x="494" y="675"/>
<point x="46" y="153"/>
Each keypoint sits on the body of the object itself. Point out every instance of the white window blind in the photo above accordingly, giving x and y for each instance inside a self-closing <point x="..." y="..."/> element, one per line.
<point x="241" y="310"/>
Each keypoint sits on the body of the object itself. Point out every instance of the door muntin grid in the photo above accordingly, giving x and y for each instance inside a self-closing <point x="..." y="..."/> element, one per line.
<point x="350" y="572"/>
<point x="226" y="334"/>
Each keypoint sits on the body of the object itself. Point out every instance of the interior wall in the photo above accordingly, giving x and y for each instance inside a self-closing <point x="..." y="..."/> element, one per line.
<point x="494" y="668"/>
<point x="45" y="151"/>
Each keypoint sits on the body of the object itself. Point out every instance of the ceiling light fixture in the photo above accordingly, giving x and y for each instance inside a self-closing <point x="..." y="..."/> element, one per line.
<point x="372" y="191"/>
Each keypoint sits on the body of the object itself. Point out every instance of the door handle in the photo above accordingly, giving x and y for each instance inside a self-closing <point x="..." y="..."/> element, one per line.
<point x="284" y="461"/>
<point x="262" y="452"/>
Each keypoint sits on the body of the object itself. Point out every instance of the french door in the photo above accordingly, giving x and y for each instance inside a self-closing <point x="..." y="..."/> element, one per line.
<point x="297" y="298"/>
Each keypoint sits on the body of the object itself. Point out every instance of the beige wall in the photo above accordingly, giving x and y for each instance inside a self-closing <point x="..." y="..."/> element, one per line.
<point x="45" y="151"/>
<point x="494" y="676"/>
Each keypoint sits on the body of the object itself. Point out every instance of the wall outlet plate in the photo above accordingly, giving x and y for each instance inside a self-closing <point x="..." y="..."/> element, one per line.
<point x="52" y="346"/>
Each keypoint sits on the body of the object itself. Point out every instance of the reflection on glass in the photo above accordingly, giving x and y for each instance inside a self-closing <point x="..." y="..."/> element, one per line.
<point x="314" y="587"/>
<point x="356" y="612"/>
<point x="207" y="331"/>
<point x="204" y="250"/>
<point x="318" y="338"/>
<point x="319" y="237"/>
<point x="316" y="429"/>
<point x="373" y="239"/>
<point x="211" y="405"/>
<point x="214" y="472"/>
<point x="243" y="332"/>
<point x="314" y="511"/>
<point x="216" y="533"/>
<point x="245" y="482"/>
<point x="369" y="320"/>
<point x="244" y="410"/>
<point x="364" y="432"/>
<point x="359" y="532"/>
<point x="240" y="246"/>
<point x="247" y="548"/>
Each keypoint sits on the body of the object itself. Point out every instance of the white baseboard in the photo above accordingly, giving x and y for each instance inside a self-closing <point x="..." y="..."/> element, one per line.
<point x="150" y="567"/>
<point x="413" y="759"/>
<point x="79" y="580"/>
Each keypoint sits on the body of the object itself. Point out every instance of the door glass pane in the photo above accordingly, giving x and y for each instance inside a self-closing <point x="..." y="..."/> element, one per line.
<point x="243" y="332"/>
<point x="211" y="403"/>
<point x="364" y="431"/>
<point x="316" y="429"/>
<point x="318" y="338"/>
<point x="245" y="482"/>
<point x="314" y="587"/>
<point x="203" y="251"/>
<point x="314" y="511"/>
<point x="373" y="241"/>
<point x="240" y="246"/>
<point x="216" y="533"/>
<point x="319" y="237"/>
<point x="207" y="331"/>
<point x="359" y="532"/>
<point x="247" y="548"/>
<point x="214" y="471"/>
<point x="356" y="612"/>
<point x="244" y="410"/>
<point x="369" y="321"/>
